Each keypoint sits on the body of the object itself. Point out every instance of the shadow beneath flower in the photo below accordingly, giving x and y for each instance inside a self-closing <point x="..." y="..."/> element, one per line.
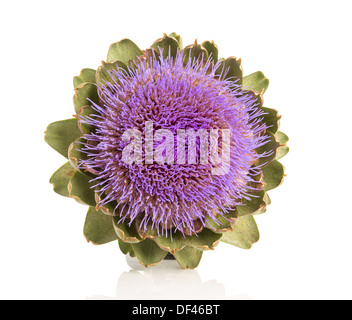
<point x="166" y="281"/>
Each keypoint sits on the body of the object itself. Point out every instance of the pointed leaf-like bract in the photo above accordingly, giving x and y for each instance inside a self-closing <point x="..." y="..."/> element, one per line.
<point x="273" y="175"/>
<point x="145" y="232"/>
<point x="283" y="149"/>
<point x="212" y="49"/>
<point x="231" y="69"/>
<point x="86" y="75"/>
<point x="271" y="118"/>
<point x="256" y="205"/>
<point x="148" y="252"/>
<point x="178" y="39"/>
<point x="105" y="72"/>
<point x="256" y="81"/>
<point x="245" y="233"/>
<point x="188" y="257"/>
<point x="177" y="243"/>
<point x="59" y="135"/>
<point x="224" y="222"/>
<point x="124" y="51"/>
<point x="125" y="232"/>
<point x="85" y="111"/>
<point x="126" y="248"/>
<point x="61" y="178"/>
<point x="283" y="138"/>
<point x="108" y="209"/>
<point x="195" y="52"/>
<point x="75" y="154"/>
<point x="79" y="189"/>
<point x="205" y="240"/>
<point x="98" y="227"/>
<point x="169" y="45"/>
<point x="269" y="150"/>
<point x="84" y="93"/>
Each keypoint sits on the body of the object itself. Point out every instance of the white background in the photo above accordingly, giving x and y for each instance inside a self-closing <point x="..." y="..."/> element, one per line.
<point x="303" y="47"/>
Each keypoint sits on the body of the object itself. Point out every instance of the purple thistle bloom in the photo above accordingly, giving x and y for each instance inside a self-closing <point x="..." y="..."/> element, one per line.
<point x="173" y="95"/>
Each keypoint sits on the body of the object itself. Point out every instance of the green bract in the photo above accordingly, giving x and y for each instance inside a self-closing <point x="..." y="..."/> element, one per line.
<point x="103" y="224"/>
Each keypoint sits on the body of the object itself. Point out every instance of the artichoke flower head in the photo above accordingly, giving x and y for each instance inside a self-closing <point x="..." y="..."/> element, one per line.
<point x="172" y="150"/>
